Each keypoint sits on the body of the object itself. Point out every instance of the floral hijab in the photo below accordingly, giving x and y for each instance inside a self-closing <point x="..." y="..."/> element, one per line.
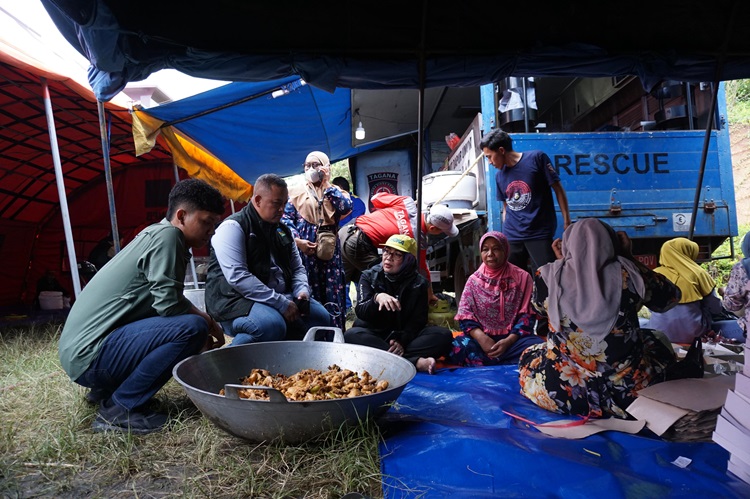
<point x="495" y="297"/>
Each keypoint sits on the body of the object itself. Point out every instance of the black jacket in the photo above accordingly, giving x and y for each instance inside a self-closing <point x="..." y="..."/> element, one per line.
<point x="411" y="294"/>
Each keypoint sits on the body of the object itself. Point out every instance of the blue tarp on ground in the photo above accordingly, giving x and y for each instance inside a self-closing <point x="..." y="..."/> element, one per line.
<point x="448" y="437"/>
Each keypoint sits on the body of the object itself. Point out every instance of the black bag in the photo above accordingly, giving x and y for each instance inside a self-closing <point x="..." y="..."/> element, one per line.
<point x="692" y="366"/>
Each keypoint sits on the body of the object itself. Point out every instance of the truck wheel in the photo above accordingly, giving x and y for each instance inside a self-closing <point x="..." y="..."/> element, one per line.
<point x="459" y="278"/>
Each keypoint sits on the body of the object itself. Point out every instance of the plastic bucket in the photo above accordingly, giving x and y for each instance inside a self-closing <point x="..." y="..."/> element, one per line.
<point x="51" y="300"/>
<point x="197" y="297"/>
<point x="451" y="189"/>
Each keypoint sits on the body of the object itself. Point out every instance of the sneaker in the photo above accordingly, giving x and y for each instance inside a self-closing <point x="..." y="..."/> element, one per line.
<point x="112" y="417"/>
<point x="96" y="395"/>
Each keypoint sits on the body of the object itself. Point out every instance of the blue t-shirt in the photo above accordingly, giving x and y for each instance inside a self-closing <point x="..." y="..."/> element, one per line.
<point x="525" y="189"/>
<point x="358" y="208"/>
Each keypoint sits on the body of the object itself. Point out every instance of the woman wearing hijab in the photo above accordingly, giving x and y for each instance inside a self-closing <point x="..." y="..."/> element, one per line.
<point x="494" y="314"/>
<point x="313" y="208"/>
<point x="596" y="357"/>
<point x="392" y="308"/>
<point x="737" y="292"/>
<point x="692" y="316"/>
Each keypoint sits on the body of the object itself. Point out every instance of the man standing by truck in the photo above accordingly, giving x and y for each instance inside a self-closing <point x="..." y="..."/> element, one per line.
<point x="525" y="181"/>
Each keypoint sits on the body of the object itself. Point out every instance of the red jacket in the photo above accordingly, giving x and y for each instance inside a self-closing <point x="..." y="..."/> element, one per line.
<point x="391" y="215"/>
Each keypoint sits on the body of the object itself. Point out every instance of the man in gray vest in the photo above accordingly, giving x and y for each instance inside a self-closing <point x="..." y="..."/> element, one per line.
<point x="256" y="285"/>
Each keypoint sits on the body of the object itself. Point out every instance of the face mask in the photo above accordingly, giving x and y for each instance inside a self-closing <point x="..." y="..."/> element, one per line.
<point x="313" y="175"/>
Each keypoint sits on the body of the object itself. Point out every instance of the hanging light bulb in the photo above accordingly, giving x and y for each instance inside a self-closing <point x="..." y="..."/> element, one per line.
<point x="359" y="133"/>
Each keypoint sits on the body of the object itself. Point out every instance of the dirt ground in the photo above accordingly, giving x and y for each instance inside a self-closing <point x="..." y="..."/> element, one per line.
<point x="739" y="137"/>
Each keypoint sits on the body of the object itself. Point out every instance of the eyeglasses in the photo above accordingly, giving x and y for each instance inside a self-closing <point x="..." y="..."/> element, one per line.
<point x="312" y="165"/>
<point x="395" y="255"/>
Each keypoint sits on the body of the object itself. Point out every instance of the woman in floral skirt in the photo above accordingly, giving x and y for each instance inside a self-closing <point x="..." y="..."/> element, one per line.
<point x="596" y="357"/>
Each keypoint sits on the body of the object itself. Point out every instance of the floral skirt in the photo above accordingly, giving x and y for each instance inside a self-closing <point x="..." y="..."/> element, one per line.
<point x="573" y="373"/>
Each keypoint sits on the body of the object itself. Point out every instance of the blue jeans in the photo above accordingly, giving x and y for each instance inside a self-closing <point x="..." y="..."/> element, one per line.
<point x="265" y="323"/>
<point x="729" y="329"/>
<point x="136" y="360"/>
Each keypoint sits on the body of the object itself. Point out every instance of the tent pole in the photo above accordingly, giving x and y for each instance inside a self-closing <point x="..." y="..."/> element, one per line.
<point x="732" y="16"/>
<point x="704" y="156"/>
<point x="108" y="174"/>
<point x="420" y="138"/>
<point x="61" y="189"/>
<point x="192" y="261"/>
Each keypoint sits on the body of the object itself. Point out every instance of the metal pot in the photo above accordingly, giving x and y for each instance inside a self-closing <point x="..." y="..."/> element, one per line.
<point x="204" y="375"/>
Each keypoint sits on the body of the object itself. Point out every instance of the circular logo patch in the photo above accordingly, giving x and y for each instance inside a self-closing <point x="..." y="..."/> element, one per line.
<point x="517" y="195"/>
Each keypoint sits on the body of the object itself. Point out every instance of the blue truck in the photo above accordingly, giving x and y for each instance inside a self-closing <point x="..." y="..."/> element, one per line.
<point x="628" y="157"/>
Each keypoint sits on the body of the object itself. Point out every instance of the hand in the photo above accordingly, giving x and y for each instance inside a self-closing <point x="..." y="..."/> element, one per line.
<point x="557" y="248"/>
<point x="217" y="332"/>
<point x="306" y="247"/>
<point x="483" y="339"/>
<point x="432" y="298"/>
<point x="501" y="346"/>
<point x="291" y="314"/>
<point x="396" y="348"/>
<point x="388" y="302"/>
<point x="215" y="338"/>
<point x="326" y="171"/>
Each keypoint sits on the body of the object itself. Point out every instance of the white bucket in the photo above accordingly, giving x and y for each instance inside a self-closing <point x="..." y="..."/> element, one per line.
<point x="197" y="297"/>
<point x="436" y="185"/>
<point x="51" y="300"/>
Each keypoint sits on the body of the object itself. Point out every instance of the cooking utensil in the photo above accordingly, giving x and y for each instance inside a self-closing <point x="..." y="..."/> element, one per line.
<point x="204" y="375"/>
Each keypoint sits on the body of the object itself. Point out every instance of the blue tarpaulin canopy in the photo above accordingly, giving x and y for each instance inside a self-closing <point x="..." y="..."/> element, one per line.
<point x="256" y="128"/>
<point x="397" y="44"/>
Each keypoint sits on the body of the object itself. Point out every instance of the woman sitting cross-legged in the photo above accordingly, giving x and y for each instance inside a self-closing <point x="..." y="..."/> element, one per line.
<point x="596" y="357"/>
<point x="392" y="308"/>
<point x="693" y="316"/>
<point x="495" y="312"/>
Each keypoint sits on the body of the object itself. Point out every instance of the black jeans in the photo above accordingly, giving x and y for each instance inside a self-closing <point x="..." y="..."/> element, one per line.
<point x="530" y="255"/>
<point x="357" y="252"/>
<point x="432" y="341"/>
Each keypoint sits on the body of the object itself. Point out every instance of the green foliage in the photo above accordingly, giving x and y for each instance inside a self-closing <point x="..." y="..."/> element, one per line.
<point x="341" y="169"/>
<point x="738" y="101"/>
<point x="723" y="263"/>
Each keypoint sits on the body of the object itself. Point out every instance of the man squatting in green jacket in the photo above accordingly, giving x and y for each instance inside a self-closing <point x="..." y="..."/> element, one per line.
<point x="132" y="324"/>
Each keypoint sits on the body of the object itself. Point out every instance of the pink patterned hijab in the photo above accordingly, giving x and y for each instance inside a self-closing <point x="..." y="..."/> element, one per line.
<point x="495" y="297"/>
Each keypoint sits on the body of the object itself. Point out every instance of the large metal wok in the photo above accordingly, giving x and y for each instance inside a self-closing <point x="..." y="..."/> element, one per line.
<point x="204" y="375"/>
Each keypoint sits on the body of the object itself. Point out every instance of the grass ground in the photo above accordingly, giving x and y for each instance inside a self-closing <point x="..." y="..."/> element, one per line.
<point x="47" y="448"/>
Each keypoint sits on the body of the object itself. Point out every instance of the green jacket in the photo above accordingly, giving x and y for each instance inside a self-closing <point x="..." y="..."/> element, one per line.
<point x="145" y="279"/>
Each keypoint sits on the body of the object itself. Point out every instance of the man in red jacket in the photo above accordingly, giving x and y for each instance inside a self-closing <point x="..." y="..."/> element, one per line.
<point x="391" y="215"/>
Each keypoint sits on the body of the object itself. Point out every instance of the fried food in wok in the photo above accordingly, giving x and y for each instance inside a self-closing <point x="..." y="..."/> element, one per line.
<point x="312" y="384"/>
